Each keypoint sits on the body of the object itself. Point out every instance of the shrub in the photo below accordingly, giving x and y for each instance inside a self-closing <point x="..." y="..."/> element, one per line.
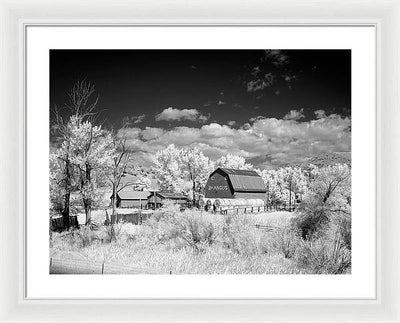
<point x="311" y="217"/>
<point x="189" y="228"/>
<point x="242" y="237"/>
<point x="286" y="241"/>
<point x="79" y="238"/>
<point x="326" y="254"/>
<point x="112" y="232"/>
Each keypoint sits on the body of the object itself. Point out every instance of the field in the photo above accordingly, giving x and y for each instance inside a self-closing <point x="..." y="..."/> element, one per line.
<point x="191" y="242"/>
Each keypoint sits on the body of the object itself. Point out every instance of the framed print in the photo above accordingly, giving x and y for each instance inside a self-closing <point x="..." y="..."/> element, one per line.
<point x="158" y="167"/>
<point x="216" y="189"/>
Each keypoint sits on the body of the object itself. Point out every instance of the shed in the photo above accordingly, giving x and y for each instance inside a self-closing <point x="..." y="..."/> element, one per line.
<point x="157" y="199"/>
<point x="132" y="199"/>
<point x="227" y="183"/>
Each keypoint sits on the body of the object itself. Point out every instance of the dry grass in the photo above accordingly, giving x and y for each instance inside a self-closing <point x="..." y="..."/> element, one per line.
<point x="275" y="219"/>
<point x="194" y="242"/>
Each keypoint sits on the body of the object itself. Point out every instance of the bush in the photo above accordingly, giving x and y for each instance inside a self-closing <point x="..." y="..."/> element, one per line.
<point x="112" y="232"/>
<point x="78" y="238"/>
<point x="311" y="217"/>
<point x="286" y="241"/>
<point x="326" y="254"/>
<point x="242" y="237"/>
<point x="190" y="228"/>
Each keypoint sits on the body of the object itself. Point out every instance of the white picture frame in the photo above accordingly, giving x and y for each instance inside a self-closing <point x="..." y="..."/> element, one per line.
<point x="14" y="16"/>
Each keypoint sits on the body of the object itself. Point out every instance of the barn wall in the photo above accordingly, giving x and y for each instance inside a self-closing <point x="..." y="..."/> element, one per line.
<point x="218" y="187"/>
<point x="250" y="195"/>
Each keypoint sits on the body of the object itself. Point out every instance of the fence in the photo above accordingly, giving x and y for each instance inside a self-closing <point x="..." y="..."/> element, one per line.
<point x="57" y="222"/>
<point x="268" y="228"/>
<point x="257" y="209"/>
<point x="134" y="218"/>
<point x="84" y="267"/>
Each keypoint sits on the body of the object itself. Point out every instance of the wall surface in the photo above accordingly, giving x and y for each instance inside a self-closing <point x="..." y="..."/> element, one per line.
<point x="133" y="203"/>
<point x="250" y="195"/>
<point x="218" y="187"/>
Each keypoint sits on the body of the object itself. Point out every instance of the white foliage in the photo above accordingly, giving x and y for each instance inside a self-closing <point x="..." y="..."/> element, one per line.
<point x="233" y="161"/>
<point x="178" y="170"/>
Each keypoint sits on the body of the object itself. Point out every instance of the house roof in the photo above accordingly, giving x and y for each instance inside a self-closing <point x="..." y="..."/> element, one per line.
<point x="169" y="195"/>
<point x="133" y="195"/>
<point x="244" y="180"/>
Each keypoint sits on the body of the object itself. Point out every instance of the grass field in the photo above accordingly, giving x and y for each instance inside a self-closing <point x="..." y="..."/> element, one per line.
<point x="192" y="242"/>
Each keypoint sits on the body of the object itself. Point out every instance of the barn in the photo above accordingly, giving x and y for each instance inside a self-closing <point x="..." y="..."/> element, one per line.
<point x="157" y="199"/>
<point x="227" y="183"/>
<point x="132" y="199"/>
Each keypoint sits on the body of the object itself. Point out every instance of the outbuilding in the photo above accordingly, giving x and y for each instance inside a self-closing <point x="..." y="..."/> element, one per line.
<point x="132" y="199"/>
<point x="158" y="199"/>
<point x="227" y="183"/>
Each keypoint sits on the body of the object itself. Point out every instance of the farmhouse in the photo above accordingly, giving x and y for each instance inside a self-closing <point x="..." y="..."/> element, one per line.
<point x="157" y="199"/>
<point x="226" y="183"/>
<point x="132" y="199"/>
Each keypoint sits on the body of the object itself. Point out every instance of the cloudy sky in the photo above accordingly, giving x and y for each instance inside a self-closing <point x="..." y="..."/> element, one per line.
<point x="272" y="107"/>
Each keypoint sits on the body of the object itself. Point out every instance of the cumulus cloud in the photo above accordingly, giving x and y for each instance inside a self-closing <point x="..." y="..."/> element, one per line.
<point x="231" y="123"/>
<point x="264" y="141"/>
<point x="320" y="114"/>
<point x="257" y="118"/>
<point x="172" y="114"/>
<point x="133" y="119"/>
<point x="294" y="115"/>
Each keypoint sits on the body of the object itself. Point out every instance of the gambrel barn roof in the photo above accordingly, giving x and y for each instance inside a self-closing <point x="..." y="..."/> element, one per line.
<point x="243" y="180"/>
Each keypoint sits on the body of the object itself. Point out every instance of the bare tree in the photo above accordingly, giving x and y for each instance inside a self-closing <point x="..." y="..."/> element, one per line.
<point x="60" y="127"/>
<point x="120" y="165"/>
<point x="81" y="107"/>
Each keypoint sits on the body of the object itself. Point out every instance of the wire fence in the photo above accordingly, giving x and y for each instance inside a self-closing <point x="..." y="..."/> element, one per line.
<point x="85" y="267"/>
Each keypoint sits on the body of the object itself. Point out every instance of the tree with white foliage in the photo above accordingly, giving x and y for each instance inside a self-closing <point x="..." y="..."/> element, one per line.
<point x="293" y="182"/>
<point x="182" y="170"/>
<point x="79" y="106"/>
<point x="91" y="152"/>
<point x="168" y="169"/>
<point x="234" y="162"/>
<point x="270" y="179"/>
<point x="284" y="183"/>
<point x="196" y="168"/>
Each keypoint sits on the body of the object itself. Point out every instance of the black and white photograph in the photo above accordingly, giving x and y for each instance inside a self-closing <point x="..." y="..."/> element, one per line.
<point x="218" y="162"/>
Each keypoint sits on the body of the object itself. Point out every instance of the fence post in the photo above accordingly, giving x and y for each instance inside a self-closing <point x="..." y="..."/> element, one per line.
<point x="51" y="262"/>
<point x="102" y="268"/>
